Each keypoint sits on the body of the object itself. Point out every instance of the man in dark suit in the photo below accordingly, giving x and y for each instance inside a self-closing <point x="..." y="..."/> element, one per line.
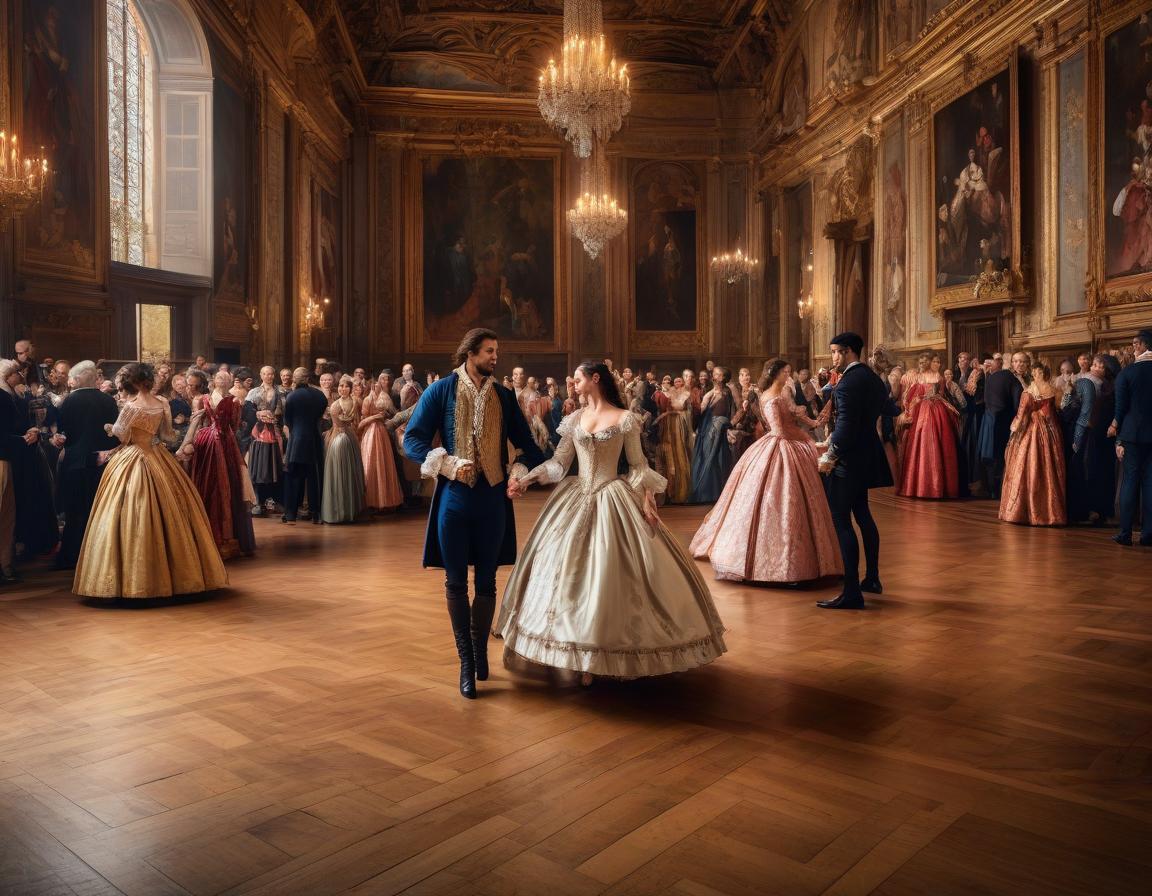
<point x="80" y="432"/>
<point x="1133" y="429"/>
<point x="854" y="462"/>
<point x="303" y="409"/>
<point x="1002" y="391"/>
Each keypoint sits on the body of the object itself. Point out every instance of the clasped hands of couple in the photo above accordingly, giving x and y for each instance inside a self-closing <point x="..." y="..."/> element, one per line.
<point x="516" y="488"/>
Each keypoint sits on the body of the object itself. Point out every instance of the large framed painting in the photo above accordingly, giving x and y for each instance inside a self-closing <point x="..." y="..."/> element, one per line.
<point x="893" y="261"/>
<point x="665" y="238"/>
<point x="231" y="124"/>
<point x="976" y="176"/>
<point x="61" y="114"/>
<point x="488" y="254"/>
<point x="1071" y="204"/>
<point x="1127" y="155"/>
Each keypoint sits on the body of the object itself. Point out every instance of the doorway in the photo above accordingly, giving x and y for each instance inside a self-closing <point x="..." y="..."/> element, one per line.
<point x="978" y="332"/>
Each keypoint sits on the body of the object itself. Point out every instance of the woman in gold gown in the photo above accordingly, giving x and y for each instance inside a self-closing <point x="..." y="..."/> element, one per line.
<point x="148" y="535"/>
<point x="677" y="440"/>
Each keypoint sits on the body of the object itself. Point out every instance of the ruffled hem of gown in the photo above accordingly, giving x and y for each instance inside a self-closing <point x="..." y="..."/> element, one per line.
<point x="637" y="662"/>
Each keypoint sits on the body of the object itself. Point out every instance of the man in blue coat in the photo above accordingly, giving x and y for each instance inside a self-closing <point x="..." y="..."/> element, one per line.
<point x="1133" y="429"/>
<point x="471" y="523"/>
<point x="854" y="463"/>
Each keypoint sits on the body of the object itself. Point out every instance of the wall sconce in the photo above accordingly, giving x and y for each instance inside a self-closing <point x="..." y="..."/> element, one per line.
<point x="312" y="314"/>
<point x="252" y="313"/>
<point x="805" y="305"/>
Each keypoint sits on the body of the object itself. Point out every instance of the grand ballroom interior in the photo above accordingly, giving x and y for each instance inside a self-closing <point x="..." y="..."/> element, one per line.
<point x="677" y="186"/>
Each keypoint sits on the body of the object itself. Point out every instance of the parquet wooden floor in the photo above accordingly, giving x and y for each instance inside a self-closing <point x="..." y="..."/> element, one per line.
<point x="985" y="728"/>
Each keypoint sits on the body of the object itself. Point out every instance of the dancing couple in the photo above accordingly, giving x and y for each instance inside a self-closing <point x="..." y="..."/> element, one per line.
<point x="625" y="602"/>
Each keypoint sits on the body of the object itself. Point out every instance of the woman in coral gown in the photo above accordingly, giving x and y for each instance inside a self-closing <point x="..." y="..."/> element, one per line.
<point x="674" y="456"/>
<point x="218" y="470"/>
<point x="772" y="522"/>
<point x="342" y="495"/>
<point x="602" y="587"/>
<point x="929" y="459"/>
<point x="1034" y="476"/>
<point x="381" y="477"/>
<point x="148" y="535"/>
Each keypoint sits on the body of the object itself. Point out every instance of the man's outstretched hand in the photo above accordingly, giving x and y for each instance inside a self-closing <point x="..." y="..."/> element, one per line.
<point x="515" y="488"/>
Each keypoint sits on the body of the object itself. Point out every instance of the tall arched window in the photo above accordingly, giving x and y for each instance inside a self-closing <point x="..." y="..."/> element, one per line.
<point x="130" y="91"/>
<point x="159" y="136"/>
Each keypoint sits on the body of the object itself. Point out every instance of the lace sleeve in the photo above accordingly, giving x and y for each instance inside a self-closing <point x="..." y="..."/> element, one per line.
<point x="167" y="432"/>
<point x="123" y="425"/>
<point x="556" y="467"/>
<point x="641" y="477"/>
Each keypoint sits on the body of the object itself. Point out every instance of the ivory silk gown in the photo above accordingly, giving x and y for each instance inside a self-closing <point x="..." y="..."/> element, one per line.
<point x="772" y="522"/>
<point x="148" y="535"/>
<point x="627" y="602"/>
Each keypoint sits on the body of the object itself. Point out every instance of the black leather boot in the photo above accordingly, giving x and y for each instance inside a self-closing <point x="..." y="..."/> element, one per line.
<point x="461" y="616"/>
<point x="483" y="609"/>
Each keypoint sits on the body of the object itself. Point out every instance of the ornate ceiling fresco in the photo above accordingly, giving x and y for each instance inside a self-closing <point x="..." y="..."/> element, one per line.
<point x="499" y="46"/>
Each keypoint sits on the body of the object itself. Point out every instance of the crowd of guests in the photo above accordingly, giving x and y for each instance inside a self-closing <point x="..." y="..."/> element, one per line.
<point x="325" y="444"/>
<point x="1049" y="446"/>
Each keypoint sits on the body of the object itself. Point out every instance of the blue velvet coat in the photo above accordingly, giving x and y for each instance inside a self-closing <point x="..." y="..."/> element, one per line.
<point x="435" y="413"/>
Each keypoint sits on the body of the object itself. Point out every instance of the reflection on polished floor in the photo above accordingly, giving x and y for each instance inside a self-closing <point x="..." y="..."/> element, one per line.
<point x="985" y="727"/>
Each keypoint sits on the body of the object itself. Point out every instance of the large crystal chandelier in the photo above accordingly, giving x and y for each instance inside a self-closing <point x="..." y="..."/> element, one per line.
<point x="21" y="179"/>
<point x="586" y="96"/>
<point x="597" y="217"/>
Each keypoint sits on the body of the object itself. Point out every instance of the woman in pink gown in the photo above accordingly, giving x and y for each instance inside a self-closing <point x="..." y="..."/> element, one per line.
<point x="218" y="470"/>
<point x="930" y="455"/>
<point x="1034" y="468"/>
<point x="381" y="478"/>
<point x="772" y="522"/>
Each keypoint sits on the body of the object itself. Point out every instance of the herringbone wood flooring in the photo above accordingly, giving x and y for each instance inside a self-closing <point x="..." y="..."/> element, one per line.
<point x="985" y="727"/>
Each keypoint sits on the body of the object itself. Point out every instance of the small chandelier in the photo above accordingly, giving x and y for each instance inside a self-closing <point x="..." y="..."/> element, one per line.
<point x="597" y="217"/>
<point x="732" y="267"/>
<point x="587" y="94"/>
<point x="21" y="180"/>
<point x="312" y="314"/>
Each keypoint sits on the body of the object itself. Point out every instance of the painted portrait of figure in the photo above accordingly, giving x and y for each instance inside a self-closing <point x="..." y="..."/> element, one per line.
<point x="1127" y="158"/>
<point x="664" y="199"/>
<point x="972" y="167"/>
<point x="894" y="252"/>
<point x="489" y="247"/>
<point x="229" y="186"/>
<point x="59" y="88"/>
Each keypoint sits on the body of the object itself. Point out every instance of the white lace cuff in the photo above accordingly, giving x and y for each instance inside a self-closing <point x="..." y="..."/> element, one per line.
<point x="549" y="472"/>
<point x="642" y="479"/>
<point x="440" y="463"/>
<point x="517" y="471"/>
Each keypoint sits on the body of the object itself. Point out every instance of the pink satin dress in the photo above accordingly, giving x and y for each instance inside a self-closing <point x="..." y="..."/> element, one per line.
<point x="772" y="522"/>
<point x="1033" y="492"/>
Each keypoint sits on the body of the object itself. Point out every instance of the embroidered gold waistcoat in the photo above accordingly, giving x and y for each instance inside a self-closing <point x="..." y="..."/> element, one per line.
<point x="479" y="423"/>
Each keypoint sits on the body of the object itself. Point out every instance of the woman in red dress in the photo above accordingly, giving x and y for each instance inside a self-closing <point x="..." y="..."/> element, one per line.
<point x="930" y="457"/>
<point x="1034" y="473"/>
<point x="218" y="470"/>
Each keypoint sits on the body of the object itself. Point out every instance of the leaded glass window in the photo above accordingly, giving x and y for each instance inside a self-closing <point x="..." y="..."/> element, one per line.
<point x="129" y="148"/>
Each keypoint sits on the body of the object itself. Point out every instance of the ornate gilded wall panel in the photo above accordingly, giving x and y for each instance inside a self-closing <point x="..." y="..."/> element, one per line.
<point x="1071" y="174"/>
<point x="891" y="293"/>
<point x="385" y="206"/>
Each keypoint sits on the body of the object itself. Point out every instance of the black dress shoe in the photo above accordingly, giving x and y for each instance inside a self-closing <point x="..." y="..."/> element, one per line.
<point x="842" y="602"/>
<point x="1145" y="541"/>
<point x="872" y="586"/>
<point x="1123" y="539"/>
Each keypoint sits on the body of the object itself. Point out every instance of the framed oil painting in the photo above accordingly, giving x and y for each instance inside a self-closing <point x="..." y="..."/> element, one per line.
<point x="893" y="261"/>
<point x="61" y="114"/>
<point x="664" y="240"/>
<point x="231" y="124"/>
<point x="488" y="253"/>
<point x="1127" y="151"/>
<point x="975" y="171"/>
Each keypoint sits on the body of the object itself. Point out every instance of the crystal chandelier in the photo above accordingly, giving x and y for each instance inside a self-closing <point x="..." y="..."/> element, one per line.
<point x="732" y="267"/>
<point x="21" y="180"/>
<point x="312" y="314"/>
<point x="597" y="218"/>
<point x="586" y="95"/>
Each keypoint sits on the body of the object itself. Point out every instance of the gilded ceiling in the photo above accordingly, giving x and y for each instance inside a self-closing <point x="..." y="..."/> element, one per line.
<point x="499" y="46"/>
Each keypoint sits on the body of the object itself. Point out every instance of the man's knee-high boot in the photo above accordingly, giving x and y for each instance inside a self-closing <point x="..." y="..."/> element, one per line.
<point x="461" y="617"/>
<point x="483" y="609"/>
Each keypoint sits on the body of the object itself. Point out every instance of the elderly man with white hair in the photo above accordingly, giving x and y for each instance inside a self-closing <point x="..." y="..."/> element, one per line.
<point x="81" y="434"/>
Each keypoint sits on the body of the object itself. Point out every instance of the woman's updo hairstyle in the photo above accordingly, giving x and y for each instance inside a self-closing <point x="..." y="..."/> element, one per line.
<point x="608" y="388"/>
<point x="135" y="377"/>
<point x="771" y="371"/>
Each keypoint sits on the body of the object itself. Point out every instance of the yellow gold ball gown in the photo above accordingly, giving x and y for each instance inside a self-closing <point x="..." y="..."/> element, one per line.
<point x="148" y="535"/>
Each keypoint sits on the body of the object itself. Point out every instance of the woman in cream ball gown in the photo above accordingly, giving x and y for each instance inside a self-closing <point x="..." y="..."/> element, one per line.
<point x="628" y="602"/>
